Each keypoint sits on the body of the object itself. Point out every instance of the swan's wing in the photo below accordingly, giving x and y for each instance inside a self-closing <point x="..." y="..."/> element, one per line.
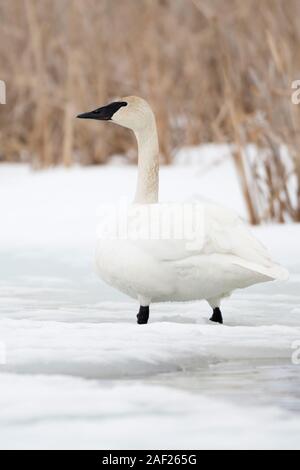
<point x="185" y="231"/>
<point x="228" y="234"/>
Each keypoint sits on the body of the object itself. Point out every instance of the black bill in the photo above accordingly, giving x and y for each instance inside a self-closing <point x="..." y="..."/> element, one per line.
<point x="105" y="113"/>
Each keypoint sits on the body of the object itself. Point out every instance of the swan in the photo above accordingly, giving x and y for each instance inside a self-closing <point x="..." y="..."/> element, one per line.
<point x="215" y="256"/>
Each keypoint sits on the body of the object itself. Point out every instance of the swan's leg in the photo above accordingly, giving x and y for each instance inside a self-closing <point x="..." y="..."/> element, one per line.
<point x="143" y="315"/>
<point x="217" y="316"/>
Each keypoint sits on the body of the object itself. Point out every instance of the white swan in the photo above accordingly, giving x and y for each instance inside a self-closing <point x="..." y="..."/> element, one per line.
<point x="174" y="252"/>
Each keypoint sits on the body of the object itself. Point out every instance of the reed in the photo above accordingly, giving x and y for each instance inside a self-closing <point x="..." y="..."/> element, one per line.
<point x="213" y="70"/>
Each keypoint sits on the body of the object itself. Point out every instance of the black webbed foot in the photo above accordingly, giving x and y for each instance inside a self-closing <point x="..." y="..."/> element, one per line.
<point x="217" y="316"/>
<point x="143" y="316"/>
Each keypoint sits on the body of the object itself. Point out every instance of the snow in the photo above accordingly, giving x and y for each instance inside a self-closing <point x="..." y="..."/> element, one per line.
<point x="80" y="373"/>
<point x="81" y="414"/>
<point x="59" y="207"/>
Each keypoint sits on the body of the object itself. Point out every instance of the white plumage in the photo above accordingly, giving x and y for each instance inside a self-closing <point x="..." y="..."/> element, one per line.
<point x="174" y="252"/>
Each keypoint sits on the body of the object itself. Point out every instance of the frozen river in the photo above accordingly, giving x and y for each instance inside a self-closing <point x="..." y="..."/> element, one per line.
<point x="79" y="372"/>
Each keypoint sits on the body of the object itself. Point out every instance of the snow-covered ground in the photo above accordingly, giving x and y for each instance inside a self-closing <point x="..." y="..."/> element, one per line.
<point x="80" y="373"/>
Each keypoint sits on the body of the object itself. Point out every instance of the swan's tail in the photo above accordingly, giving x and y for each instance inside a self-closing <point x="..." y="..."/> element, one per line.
<point x="279" y="273"/>
<point x="274" y="272"/>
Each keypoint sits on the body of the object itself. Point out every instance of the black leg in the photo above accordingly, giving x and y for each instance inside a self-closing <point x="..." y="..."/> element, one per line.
<point x="143" y="315"/>
<point x="217" y="316"/>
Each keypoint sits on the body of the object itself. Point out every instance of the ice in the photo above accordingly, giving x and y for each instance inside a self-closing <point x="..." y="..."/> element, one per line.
<point x="74" y="413"/>
<point x="81" y="374"/>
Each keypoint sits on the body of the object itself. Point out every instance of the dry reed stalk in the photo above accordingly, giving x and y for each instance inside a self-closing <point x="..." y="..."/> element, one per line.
<point x="208" y="67"/>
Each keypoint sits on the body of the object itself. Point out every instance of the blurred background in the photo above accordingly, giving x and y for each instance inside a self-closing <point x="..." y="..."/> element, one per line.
<point x="214" y="71"/>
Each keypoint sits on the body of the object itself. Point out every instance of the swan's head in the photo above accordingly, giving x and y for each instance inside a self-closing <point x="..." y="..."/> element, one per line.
<point x="131" y="112"/>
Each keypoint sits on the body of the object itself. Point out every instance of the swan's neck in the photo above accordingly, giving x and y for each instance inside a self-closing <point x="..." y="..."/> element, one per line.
<point x="148" y="165"/>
